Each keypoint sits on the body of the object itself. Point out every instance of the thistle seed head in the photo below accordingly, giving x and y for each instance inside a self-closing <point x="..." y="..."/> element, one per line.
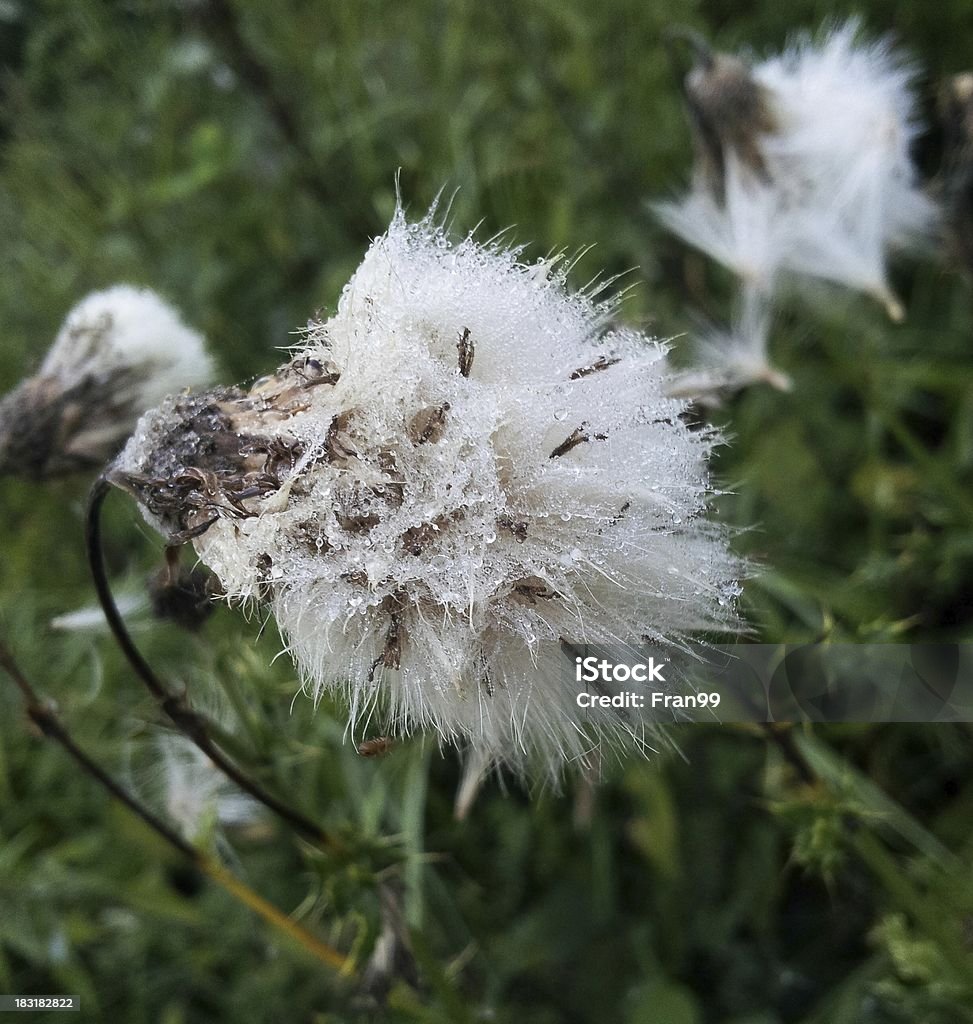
<point x="803" y="170"/>
<point x="118" y="353"/>
<point x="459" y="470"/>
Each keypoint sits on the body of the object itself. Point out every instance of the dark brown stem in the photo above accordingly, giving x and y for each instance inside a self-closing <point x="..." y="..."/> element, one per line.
<point x="43" y="716"/>
<point x="187" y="720"/>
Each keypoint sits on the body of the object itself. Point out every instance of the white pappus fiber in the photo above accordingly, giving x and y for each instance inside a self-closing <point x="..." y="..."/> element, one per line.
<point x="730" y="359"/>
<point x="197" y="796"/>
<point x="462" y="468"/>
<point x="841" y="158"/>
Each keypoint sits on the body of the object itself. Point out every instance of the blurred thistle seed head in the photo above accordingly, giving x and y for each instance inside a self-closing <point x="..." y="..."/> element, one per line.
<point x="118" y="353"/>
<point x="831" y="165"/>
<point x="459" y="470"/>
<point x="822" y="184"/>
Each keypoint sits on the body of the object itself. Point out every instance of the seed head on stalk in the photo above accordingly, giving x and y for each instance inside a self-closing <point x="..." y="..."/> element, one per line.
<point x="118" y="353"/>
<point x="803" y="171"/>
<point x="462" y="470"/>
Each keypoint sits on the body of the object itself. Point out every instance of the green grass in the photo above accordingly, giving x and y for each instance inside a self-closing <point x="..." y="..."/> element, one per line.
<point x="240" y="165"/>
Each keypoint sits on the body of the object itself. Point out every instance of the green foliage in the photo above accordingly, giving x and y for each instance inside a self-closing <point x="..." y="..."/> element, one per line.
<point x="238" y="157"/>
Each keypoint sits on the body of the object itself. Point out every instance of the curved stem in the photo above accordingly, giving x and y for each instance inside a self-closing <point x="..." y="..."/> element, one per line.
<point x="185" y="718"/>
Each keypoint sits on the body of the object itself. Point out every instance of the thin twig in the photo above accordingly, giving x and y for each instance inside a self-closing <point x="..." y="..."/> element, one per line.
<point x="176" y="706"/>
<point x="46" y="720"/>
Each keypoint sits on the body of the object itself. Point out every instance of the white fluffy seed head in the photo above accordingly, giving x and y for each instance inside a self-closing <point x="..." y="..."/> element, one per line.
<point x="459" y="470"/>
<point x="118" y="353"/>
<point x="135" y="331"/>
<point x="842" y="156"/>
<point x="826" y="186"/>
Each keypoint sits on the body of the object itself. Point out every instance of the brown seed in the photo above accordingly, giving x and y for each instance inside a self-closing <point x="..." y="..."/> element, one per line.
<point x="338" y="443"/>
<point x="311" y="535"/>
<point x="466" y="353"/>
<point x="532" y="589"/>
<point x="601" y="363"/>
<point x="379" y="746"/>
<point x="576" y="437"/>
<point x="416" y="538"/>
<point x="428" y="424"/>
<point x="264" y="566"/>
<point x="728" y="110"/>
<point x="313" y="371"/>
<point x="391" y="656"/>
<point x="518" y="527"/>
<point x="357" y="522"/>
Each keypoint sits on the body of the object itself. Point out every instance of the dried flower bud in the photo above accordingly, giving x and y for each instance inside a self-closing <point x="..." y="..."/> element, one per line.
<point x="182" y="595"/>
<point x="728" y="110"/>
<point x="118" y="353"/>
<point x="459" y="470"/>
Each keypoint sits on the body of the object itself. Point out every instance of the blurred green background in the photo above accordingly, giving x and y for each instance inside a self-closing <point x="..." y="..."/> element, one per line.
<point x="238" y="156"/>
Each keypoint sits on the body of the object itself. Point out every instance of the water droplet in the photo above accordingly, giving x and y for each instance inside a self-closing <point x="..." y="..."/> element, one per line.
<point x="560" y="414"/>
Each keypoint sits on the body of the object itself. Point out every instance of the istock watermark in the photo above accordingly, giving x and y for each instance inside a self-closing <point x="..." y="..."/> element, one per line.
<point x="606" y="674"/>
<point x="591" y="670"/>
<point x="776" y="682"/>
